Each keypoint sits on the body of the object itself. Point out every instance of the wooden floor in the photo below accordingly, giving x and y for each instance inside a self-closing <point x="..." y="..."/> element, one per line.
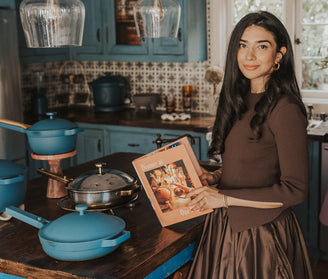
<point x="319" y="268"/>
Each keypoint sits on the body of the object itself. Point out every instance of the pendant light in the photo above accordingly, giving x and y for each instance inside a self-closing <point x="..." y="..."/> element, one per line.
<point x="157" y="18"/>
<point x="52" y="23"/>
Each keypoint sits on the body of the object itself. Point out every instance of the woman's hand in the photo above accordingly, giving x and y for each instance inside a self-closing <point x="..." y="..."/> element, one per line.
<point x="208" y="178"/>
<point x="206" y="198"/>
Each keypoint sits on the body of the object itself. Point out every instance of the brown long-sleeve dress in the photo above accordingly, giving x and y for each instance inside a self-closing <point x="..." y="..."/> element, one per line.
<point x="243" y="242"/>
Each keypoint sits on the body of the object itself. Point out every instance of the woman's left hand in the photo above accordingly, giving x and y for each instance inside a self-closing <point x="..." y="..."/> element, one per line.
<point x="205" y="198"/>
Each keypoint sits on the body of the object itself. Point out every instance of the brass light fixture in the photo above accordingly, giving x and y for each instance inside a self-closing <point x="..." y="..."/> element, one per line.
<point x="52" y="23"/>
<point x="157" y="18"/>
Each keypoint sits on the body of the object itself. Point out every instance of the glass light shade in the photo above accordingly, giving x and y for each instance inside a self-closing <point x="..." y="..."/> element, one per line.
<point x="157" y="18"/>
<point x="52" y="23"/>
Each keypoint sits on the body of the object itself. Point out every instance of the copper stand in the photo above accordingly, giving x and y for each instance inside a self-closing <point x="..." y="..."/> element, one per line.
<point x="55" y="188"/>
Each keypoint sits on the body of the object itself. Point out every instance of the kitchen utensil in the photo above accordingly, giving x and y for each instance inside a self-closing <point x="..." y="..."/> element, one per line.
<point x="12" y="184"/>
<point x="99" y="187"/>
<point x="76" y="236"/>
<point x="108" y="92"/>
<point x="49" y="136"/>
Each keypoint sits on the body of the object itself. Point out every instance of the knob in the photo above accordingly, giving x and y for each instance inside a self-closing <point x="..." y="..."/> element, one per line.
<point x="323" y="116"/>
<point x="100" y="167"/>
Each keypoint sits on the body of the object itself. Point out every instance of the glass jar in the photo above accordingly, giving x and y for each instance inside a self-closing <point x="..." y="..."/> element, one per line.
<point x="170" y="103"/>
<point x="186" y="97"/>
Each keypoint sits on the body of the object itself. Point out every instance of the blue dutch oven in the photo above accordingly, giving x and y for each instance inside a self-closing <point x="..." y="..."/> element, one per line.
<point x="77" y="236"/>
<point x="12" y="184"/>
<point x="108" y="92"/>
<point x="49" y="136"/>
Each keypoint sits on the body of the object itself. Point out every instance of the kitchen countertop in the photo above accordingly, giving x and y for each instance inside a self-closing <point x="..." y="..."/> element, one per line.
<point x="150" y="245"/>
<point x="199" y="122"/>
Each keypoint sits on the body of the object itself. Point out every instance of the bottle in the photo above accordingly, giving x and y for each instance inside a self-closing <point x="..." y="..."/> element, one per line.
<point x="39" y="100"/>
<point x="170" y="103"/>
<point x="186" y="98"/>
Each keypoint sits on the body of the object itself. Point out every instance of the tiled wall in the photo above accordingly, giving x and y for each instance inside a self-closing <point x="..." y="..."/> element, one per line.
<point x="145" y="77"/>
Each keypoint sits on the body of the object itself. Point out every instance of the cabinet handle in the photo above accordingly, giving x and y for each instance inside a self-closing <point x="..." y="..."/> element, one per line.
<point x="106" y="34"/>
<point x="98" y="35"/>
<point x="133" y="144"/>
<point x="298" y="41"/>
<point x="180" y="35"/>
<point x="99" y="146"/>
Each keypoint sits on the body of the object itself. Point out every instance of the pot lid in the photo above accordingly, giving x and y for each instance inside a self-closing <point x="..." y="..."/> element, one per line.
<point x="103" y="180"/>
<point x="9" y="169"/>
<point x="82" y="226"/>
<point x="53" y="124"/>
<point x="108" y="79"/>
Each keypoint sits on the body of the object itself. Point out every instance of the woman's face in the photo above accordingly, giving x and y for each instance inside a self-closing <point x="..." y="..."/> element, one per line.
<point x="257" y="56"/>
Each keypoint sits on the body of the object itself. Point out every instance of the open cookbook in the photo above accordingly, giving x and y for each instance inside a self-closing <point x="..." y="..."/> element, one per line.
<point x="167" y="175"/>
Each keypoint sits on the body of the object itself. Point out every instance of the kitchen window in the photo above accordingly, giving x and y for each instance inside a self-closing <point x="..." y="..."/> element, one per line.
<point x="307" y="24"/>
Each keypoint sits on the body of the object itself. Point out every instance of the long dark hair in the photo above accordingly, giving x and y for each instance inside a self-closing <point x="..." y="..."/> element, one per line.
<point x="235" y="86"/>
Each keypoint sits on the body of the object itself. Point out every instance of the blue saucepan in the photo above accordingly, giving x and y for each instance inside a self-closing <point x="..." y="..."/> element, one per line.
<point x="77" y="236"/>
<point x="49" y="136"/>
<point x="12" y="184"/>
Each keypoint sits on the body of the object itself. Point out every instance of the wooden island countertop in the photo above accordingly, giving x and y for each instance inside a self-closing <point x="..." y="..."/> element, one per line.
<point x="149" y="247"/>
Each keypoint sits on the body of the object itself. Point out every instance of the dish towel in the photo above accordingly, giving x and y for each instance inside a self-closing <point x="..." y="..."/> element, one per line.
<point x="324" y="211"/>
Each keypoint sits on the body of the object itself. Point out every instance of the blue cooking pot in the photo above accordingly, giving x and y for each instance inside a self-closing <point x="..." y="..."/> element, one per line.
<point x="108" y="92"/>
<point x="12" y="184"/>
<point x="49" y="136"/>
<point x="77" y="236"/>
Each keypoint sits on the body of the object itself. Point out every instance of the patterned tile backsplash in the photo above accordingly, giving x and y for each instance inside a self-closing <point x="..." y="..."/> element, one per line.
<point x="66" y="82"/>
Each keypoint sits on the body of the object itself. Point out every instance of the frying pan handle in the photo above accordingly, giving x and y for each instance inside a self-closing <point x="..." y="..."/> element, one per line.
<point x="14" y="125"/>
<point x="27" y="217"/>
<point x="116" y="241"/>
<point x="54" y="176"/>
<point x="125" y="193"/>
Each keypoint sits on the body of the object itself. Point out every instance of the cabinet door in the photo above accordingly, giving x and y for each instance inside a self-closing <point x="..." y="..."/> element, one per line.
<point x="172" y="46"/>
<point x="90" y="145"/>
<point x="93" y="33"/>
<point x="132" y="142"/>
<point x="121" y="35"/>
<point x="7" y="4"/>
<point x="168" y="46"/>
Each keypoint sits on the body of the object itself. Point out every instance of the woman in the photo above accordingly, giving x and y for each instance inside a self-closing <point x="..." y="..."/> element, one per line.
<point x="260" y="132"/>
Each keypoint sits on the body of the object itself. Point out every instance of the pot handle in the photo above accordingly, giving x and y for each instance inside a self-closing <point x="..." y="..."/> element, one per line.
<point x="26" y="217"/>
<point x="126" y="193"/>
<point x="5" y="217"/>
<point x="116" y="241"/>
<point x="73" y="131"/>
<point x="54" y="176"/>
<point x="14" y="125"/>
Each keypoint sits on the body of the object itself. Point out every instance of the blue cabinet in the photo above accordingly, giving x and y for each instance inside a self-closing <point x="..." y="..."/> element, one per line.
<point x="141" y="140"/>
<point x="7" y="4"/>
<point x="91" y="144"/>
<point x="98" y="140"/>
<point x="103" y="40"/>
